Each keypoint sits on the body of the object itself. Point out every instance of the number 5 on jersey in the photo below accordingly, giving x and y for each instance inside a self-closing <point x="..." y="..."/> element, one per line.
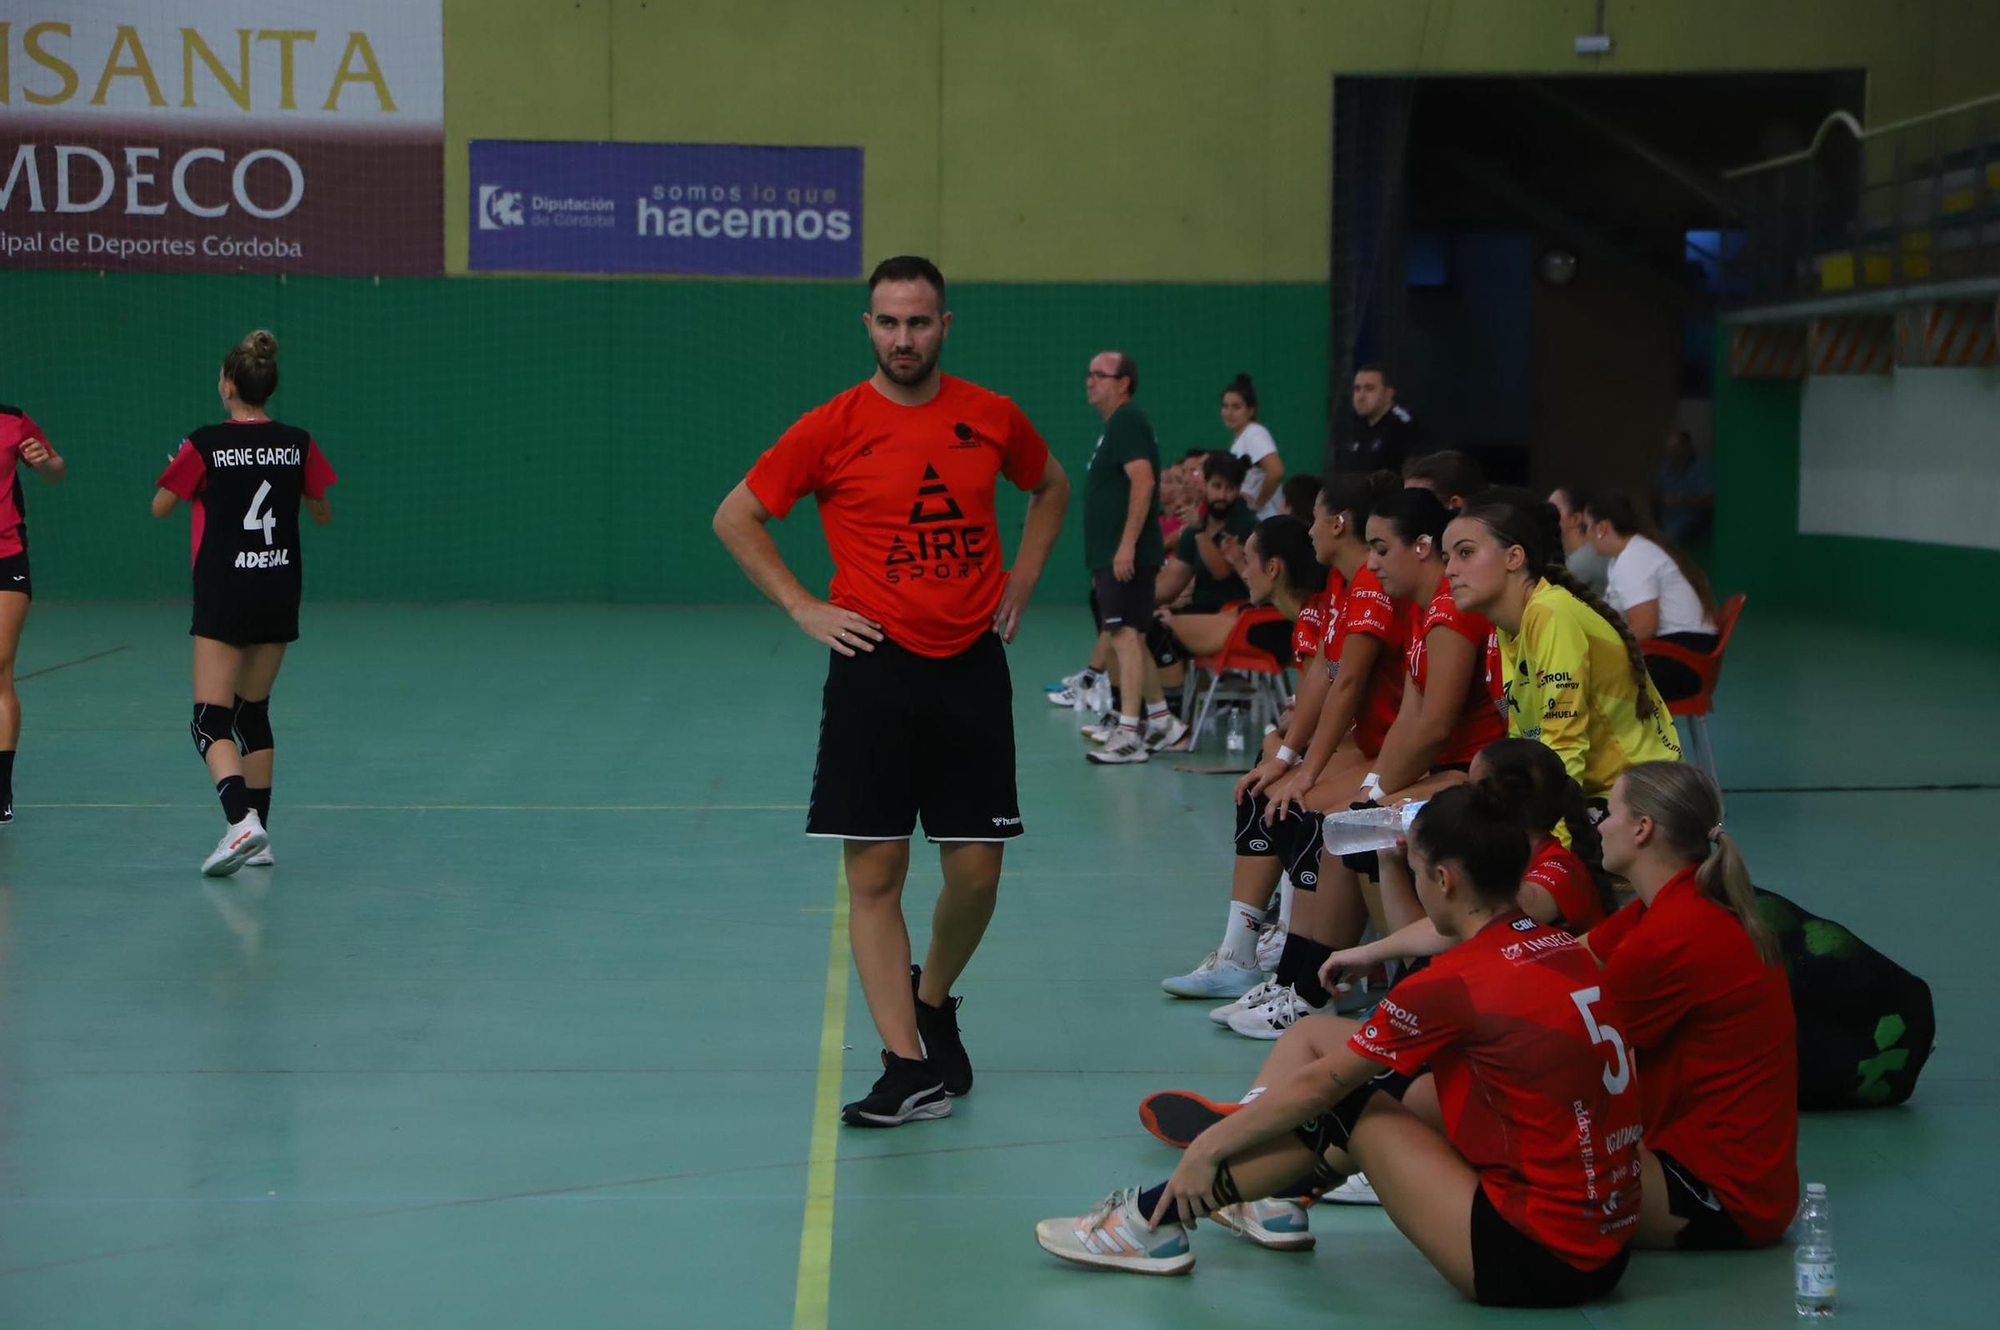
<point x="267" y="523"/>
<point x="1619" y="1075"/>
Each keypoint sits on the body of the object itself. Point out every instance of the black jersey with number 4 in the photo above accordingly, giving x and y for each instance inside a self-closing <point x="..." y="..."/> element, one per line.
<point x="245" y="480"/>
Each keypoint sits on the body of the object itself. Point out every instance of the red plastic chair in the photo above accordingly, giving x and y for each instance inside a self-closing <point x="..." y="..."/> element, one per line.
<point x="1707" y="666"/>
<point x="1266" y="676"/>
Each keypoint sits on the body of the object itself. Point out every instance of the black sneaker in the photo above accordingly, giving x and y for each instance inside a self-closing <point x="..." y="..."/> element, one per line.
<point x="906" y="1092"/>
<point x="938" y="1028"/>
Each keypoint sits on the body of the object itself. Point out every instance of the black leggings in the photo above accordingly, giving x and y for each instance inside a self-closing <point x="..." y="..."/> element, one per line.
<point x="1675" y="680"/>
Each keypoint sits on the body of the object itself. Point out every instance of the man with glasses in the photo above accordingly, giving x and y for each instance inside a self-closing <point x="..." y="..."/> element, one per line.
<point x="1123" y="549"/>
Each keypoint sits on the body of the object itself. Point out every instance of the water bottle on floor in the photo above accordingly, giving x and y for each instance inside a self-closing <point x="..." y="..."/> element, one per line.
<point x="1359" y="830"/>
<point x="1814" y="1270"/>
<point x="1235" y="740"/>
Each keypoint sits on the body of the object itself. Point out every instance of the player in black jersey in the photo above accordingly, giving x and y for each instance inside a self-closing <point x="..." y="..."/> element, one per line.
<point x="245" y="479"/>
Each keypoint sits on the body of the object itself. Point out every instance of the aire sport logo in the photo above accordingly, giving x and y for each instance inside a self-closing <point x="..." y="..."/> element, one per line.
<point x="940" y="544"/>
<point x="499" y="208"/>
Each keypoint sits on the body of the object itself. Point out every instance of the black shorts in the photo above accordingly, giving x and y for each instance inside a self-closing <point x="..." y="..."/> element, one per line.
<point x="1675" y="680"/>
<point x="1123" y="604"/>
<point x="245" y="621"/>
<point x="903" y="737"/>
<point x="1511" y="1269"/>
<point x="14" y="575"/>
<point x="1709" y="1227"/>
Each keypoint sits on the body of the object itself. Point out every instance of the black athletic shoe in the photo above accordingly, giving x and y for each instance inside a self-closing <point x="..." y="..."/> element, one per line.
<point x="906" y="1092"/>
<point x="938" y="1028"/>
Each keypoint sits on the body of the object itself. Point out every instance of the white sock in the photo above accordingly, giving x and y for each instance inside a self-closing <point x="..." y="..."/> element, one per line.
<point x="1128" y="723"/>
<point x="1156" y="710"/>
<point x="1239" y="937"/>
<point x="1255" y="1090"/>
<point x="1286" y="894"/>
<point x="1091" y="675"/>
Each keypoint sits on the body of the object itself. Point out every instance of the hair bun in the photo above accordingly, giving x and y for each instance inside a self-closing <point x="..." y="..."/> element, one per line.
<point x="261" y="345"/>
<point x="1242" y="379"/>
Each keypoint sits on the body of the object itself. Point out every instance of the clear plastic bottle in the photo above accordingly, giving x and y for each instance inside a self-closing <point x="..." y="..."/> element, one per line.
<point x="1359" y="830"/>
<point x="1815" y="1273"/>
<point x="1235" y="741"/>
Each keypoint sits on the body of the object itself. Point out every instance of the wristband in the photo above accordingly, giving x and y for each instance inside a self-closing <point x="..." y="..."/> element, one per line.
<point x="1371" y="785"/>
<point x="1288" y="757"/>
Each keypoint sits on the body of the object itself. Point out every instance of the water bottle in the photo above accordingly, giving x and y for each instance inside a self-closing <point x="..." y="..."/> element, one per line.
<point x="1359" y="830"/>
<point x="1814" y="1271"/>
<point x="1235" y="739"/>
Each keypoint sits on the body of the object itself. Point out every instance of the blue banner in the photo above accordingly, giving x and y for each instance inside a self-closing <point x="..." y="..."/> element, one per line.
<point x="696" y="208"/>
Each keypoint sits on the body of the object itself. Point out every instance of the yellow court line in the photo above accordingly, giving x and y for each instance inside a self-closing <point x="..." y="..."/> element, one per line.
<point x="816" y="1239"/>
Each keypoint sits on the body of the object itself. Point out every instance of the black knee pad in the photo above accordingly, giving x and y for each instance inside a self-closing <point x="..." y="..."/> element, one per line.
<point x="1335" y="1127"/>
<point x="211" y="725"/>
<point x="253" y="725"/>
<point x="1253" y="839"/>
<point x="1298" y="845"/>
<point x="1368" y="863"/>
<point x="1163" y="646"/>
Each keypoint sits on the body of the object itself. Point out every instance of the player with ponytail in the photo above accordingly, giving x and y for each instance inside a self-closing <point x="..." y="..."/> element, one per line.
<point x="1707" y="1008"/>
<point x="1569" y="672"/>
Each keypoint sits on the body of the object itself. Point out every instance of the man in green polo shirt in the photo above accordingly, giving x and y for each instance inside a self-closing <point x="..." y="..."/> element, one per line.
<point x="1124" y="552"/>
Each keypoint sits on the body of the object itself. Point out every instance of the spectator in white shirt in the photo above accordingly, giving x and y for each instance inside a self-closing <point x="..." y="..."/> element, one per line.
<point x="1253" y="441"/>
<point x="1662" y="593"/>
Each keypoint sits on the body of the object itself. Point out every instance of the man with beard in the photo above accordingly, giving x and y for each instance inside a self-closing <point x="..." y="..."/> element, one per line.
<point x="917" y="717"/>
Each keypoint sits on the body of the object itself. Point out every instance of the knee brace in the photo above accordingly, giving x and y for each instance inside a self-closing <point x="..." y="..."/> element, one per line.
<point x="1368" y="863"/>
<point x="253" y="725"/>
<point x="1253" y="838"/>
<point x="212" y="724"/>
<point x="1334" y="1128"/>
<point x="1298" y="839"/>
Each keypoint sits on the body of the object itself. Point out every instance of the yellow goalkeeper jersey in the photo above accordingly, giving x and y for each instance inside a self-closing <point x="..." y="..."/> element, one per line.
<point x="1568" y="682"/>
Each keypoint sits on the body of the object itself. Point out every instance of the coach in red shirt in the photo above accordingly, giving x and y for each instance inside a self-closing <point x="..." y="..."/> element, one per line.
<point x="917" y="720"/>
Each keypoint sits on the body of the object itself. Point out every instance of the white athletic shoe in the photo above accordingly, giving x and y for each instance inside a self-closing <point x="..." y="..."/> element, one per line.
<point x="1167" y="732"/>
<point x="1354" y="1191"/>
<point x="261" y="859"/>
<point x="1098" y="696"/>
<point x="1256" y="997"/>
<point x="1070" y="692"/>
<point x="238" y="843"/>
<point x="1270" y="946"/>
<point x="1275" y="1017"/>
<point x="1213" y="978"/>
<point x="1100" y="730"/>
<point x="1113" y="1236"/>
<point x="1278" y="1224"/>
<point x="1124" y="746"/>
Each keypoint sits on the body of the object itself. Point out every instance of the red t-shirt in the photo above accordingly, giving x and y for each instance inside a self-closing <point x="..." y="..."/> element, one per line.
<point x="1533" y="1079"/>
<point x="16" y="428"/>
<point x="1715" y="1033"/>
<point x="1478" y="722"/>
<point x="906" y="498"/>
<point x="1309" y="630"/>
<point x="186" y="477"/>
<point x="1368" y="610"/>
<point x="1557" y="871"/>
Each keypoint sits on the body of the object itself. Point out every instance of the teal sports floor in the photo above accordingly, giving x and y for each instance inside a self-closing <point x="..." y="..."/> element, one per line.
<point x="525" y="1028"/>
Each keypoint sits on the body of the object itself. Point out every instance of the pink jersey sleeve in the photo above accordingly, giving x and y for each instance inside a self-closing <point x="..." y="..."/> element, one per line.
<point x="1027" y="452"/>
<point x="319" y="471"/>
<point x="790" y="468"/>
<point x="185" y="474"/>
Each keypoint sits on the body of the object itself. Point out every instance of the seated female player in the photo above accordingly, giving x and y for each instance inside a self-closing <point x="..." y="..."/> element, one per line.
<point x="1524" y="1193"/>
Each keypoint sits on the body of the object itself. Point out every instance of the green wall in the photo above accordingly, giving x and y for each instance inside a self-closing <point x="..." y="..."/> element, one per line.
<point x="519" y="439"/>
<point x="1759" y="549"/>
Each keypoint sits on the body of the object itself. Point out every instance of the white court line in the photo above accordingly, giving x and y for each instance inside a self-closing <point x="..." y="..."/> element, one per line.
<point x="478" y="808"/>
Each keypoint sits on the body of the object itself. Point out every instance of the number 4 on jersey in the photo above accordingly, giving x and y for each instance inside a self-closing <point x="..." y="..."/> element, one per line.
<point x="266" y="522"/>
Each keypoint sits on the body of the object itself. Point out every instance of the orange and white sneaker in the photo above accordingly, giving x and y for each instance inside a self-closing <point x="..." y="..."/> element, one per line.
<point x="1178" y="1116"/>
<point x="1276" y="1223"/>
<point x="238" y="844"/>
<point x="1114" y="1236"/>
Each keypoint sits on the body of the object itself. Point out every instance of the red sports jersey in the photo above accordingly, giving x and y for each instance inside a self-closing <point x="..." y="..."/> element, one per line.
<point x="1560" y="873"/>
<point x="1533" y="1078"/>
<point x="1309" y="629"/>
<point x="186" y="477"/>
<point x="1714" y="1028"/>
<point x="1368" y="610"/>
<point x="16" y="428"/>
<point x="1479" y="722"/>
<point x="906" y="498"/>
